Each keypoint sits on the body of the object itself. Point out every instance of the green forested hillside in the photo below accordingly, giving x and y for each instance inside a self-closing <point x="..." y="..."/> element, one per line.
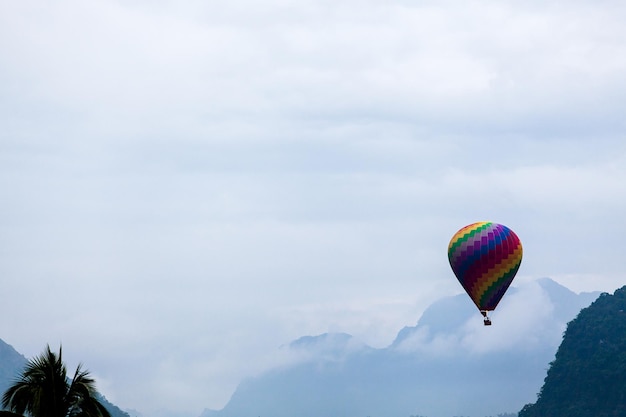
<point x="588" y="376"/>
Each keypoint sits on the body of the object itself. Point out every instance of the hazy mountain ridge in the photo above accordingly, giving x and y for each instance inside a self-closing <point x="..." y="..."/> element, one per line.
<point x="12" y="363"/>
<point x="588" y="375"/>
<point x="448" y="364"/>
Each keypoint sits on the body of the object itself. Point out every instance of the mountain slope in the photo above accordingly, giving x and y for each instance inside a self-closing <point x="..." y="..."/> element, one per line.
<point x="11" y="363"/>
<point x="588" y="376"/>
<point x="448" y="364"/>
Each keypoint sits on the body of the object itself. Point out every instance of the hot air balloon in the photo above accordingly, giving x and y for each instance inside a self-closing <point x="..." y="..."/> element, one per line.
<point x="485" y="257"/>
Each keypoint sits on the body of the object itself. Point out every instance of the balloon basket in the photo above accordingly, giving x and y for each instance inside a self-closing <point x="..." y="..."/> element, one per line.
<point x="487" y="320"/>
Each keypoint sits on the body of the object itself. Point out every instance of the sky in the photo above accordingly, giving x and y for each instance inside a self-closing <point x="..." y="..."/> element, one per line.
<point x="186" y="186"/>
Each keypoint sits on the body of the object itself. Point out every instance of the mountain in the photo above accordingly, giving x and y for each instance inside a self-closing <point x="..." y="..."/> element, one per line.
<point x="588" y="375"/>
<point x="449" y="364"/>
<point x="11" y="365"/>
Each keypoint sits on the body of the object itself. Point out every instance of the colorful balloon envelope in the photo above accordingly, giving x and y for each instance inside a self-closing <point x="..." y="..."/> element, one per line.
<point x="485" y="257"/>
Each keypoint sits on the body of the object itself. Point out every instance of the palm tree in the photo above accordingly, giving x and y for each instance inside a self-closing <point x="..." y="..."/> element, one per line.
<point x="43" y="390"/>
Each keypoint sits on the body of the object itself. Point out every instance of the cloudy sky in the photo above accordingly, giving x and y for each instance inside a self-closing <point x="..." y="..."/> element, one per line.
<point x="186" y="186"/>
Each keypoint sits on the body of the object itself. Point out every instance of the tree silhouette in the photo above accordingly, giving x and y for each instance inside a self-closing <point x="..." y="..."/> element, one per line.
<point x="43" y="390"/>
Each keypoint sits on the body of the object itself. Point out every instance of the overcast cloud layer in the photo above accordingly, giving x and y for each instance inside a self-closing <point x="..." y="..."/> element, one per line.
<point x="185" y="186"/>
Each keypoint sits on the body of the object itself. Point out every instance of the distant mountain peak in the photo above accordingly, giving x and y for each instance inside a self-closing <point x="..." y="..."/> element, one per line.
<point x="326" y="346"/>
<point x="322" y="340"/>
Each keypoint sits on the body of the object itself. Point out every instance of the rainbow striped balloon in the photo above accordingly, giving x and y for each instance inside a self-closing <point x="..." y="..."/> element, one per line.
<point x="485" y="257"/>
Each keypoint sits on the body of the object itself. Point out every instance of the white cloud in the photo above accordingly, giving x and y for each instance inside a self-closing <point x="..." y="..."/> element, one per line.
<point x="529" y="324"/>
<point x="524" y="320"/>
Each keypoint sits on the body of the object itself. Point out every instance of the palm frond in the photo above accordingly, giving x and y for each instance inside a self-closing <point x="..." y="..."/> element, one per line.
<point x="43" y="390"/>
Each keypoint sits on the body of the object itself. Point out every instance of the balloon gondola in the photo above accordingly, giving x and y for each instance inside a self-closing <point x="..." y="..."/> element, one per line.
<point x="485" y="257"/>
